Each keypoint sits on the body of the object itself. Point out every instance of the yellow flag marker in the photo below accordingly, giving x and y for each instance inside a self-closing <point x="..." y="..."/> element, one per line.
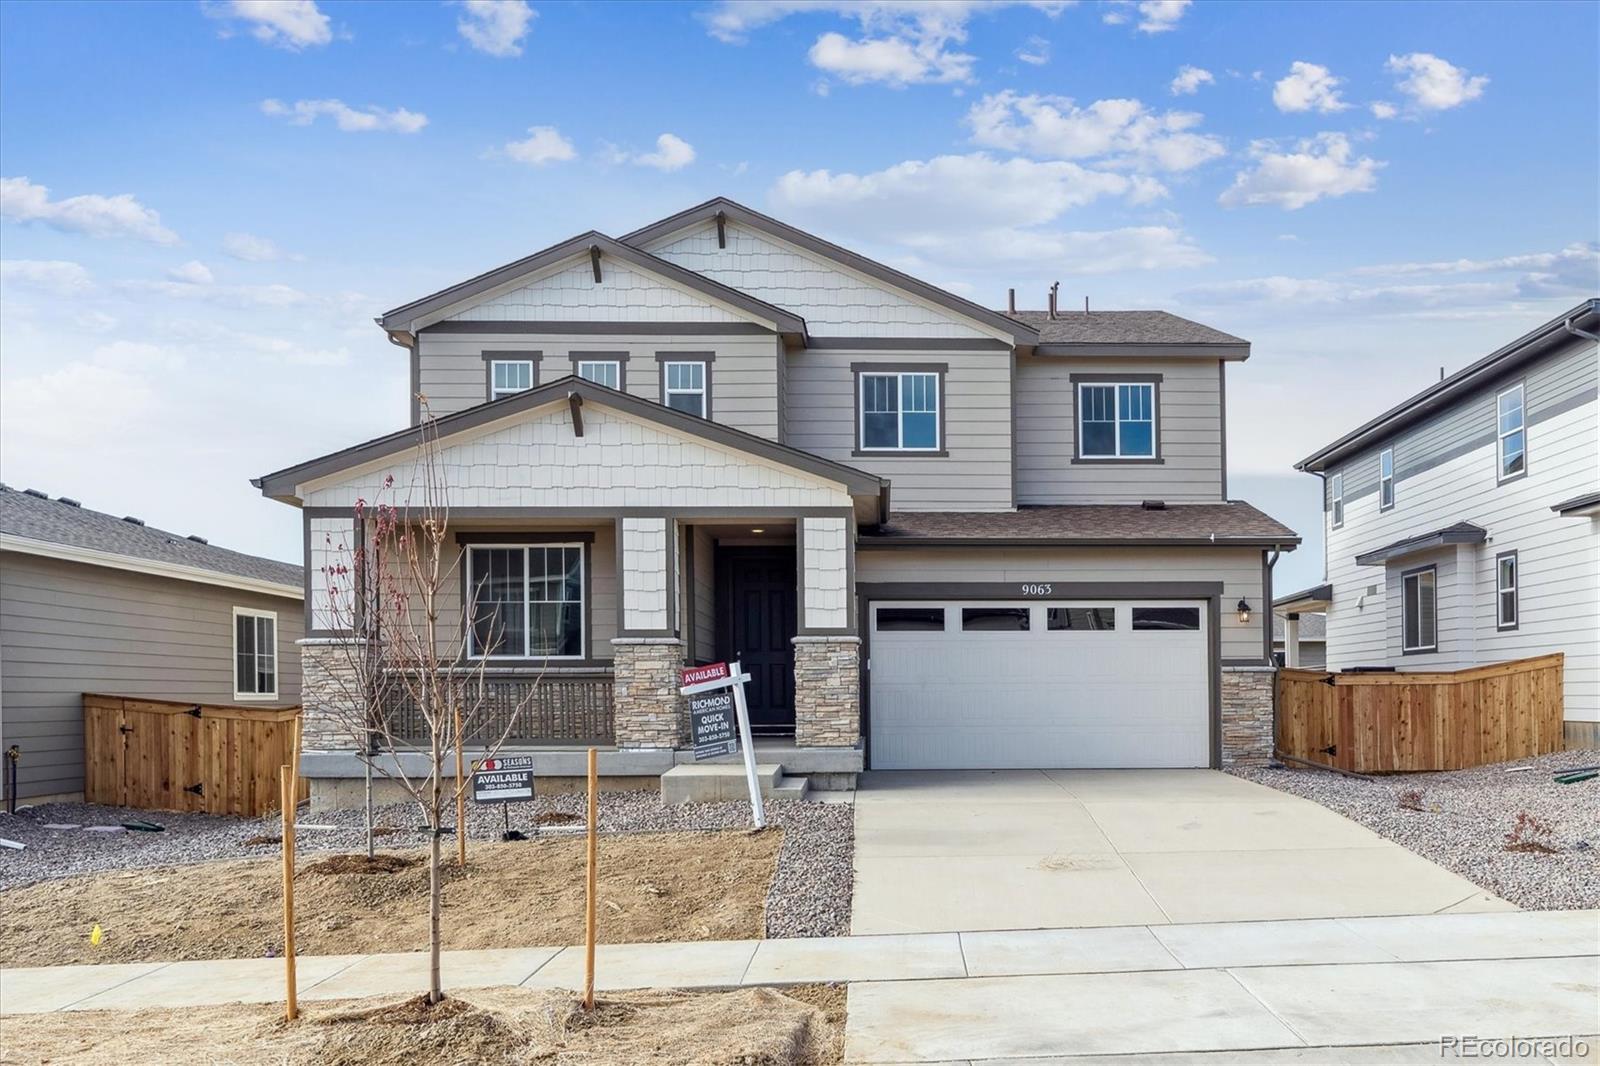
<point x="96" y="935"/>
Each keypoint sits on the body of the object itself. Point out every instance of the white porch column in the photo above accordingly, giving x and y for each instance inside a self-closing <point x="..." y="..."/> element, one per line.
<point x="646" y="652"/>
<point x="645" y="564"/>
<point x="1291" y="640"/>
<point x="827" y="652"/>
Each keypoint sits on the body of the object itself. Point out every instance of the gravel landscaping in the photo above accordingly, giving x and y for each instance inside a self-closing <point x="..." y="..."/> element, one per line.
<point x="1460" y="819"/>
<point x="809" y="896"/>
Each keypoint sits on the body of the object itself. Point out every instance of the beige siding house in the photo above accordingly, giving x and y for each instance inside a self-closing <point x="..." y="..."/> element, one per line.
<point x="90" y="602"/>
<point x="934" y="533"/>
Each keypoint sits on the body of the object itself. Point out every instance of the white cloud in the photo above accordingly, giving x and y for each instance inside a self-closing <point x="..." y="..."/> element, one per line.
<point x="291" y="24"/>
<point x="542" y="146"/>
<point x="250" y="248"/>
<point x="1155" y="16"/>
<point x="55" y="276"/>
<point x="672" y="153"/>
<point x="1434" y="84"/>
<point x="1572" y="271"/>
<point x="193" y="272"/>
<point x="233" y="296"/>
<point x="98" y="216"/>
<point x="1383" y="109"/>
<point x="1320" y="167"/>
<point x="347" y="118"/>
<point x="1120" y="132"/>
<point x="1189" y="80"/>
<point x="894" y="61"/>
<point x="1035" y="51"/>
<point x="1308" y="87"/>
<point x="496" y="27"/>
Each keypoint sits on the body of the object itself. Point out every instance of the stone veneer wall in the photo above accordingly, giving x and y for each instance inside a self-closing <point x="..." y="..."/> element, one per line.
<point x="1248" y="694"/>
<point x="649" y="712"/>
<point x="827" y="692"/>
<point x="328" y="706"/>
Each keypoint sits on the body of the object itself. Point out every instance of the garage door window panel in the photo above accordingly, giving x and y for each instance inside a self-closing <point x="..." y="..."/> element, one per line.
<point x="1166" y="618"/>
<point x="1078" y="619"/>
<point x="995" y="619"/>
<point x="910" y="619"/>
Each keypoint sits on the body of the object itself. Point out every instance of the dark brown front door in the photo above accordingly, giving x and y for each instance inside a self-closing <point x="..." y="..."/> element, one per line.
<point x="756" y="624"/>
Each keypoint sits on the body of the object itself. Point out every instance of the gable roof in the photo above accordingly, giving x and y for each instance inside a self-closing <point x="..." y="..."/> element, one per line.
<point x="1020" y="332"/>
<point x="1502" y="361"/>
<point x="33" y="523"/>
<point x="405" y="317"/>
<point x="281" y="484"/>
<point x="1070" y="331"/>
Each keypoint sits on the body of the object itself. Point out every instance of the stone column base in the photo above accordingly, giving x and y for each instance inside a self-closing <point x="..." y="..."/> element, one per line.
<point x="649" y="713"/>
<point x="827" y="692"/>
<point x="330" y="716"/>
<point x="1248" y="694"/>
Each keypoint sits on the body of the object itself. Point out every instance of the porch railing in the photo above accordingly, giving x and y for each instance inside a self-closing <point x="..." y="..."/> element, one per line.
<point x="561" y="708"/>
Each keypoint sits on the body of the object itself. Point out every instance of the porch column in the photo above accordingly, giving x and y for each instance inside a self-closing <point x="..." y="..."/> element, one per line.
<point x="827" y="651"/>
<point x="1291" y="640"/>
<point x="646" y="653"/>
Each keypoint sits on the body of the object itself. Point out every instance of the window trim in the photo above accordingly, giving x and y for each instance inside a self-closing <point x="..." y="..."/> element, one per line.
<point x="1519" y="386"/>
<point x="619" y="358"/>
<point x="1336" y="499"/>
<point x="1078" y="381"/>
<point x="898" y="370"/>
<point x="253" y="612"/>
<point x="1432" y="569"/>
<point x="490" y="358"/>
<point x="469" y="543"/>
<point x="1500" y="624"/>
<point x="666" y="359"/>
<point x="1387" y="453"/>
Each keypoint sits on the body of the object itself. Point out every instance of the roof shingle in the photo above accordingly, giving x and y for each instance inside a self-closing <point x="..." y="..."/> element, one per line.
<point x="1231" y="522"/>
<point x="1121" y="327"/>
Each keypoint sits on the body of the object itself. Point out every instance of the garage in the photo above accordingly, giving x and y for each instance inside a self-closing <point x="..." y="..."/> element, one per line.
<point x="996" y="684"/>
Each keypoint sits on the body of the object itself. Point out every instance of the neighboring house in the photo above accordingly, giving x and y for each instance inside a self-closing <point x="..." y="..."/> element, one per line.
<point x="94" y="603"/>
<point x="1310" y="639"/>
<point x="937" y="535"/>
<point x="1463" y="525"/>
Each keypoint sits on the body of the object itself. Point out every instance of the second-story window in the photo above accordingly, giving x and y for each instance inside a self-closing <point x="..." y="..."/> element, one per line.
<point x="1512" y="433"/>
<point x="509" y="376"/>
<point x="1386" y="479"/>
<point x="1116" y="420"/>
<point x="607" y="372"/>
<point x="899" y="412"/>
<point x="683" y="387"/>
<point x="1336" y="499"/>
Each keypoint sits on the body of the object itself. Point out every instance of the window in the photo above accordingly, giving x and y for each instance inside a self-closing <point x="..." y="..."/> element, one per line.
<point x="994" y="619"/>
<point x="509" y="376"/>
<point x="1418" y="611"/>
<point x="1336" y="494"/>
<point x="1116" y="421"/>
<point x="255" y="654"/>
<point x="683" y="387"/>
<point x="1166" y="618"/>
<point x="910" y="619"/>
<point x="1078" y="618"/>
<point x="1512" y="433"/>
<point x="1386" y="479"/>
<point x="607" y="372"/>
<point x="527" y="602"/>
<point x="1505" y="587"/>
<point x="899" y="411"/>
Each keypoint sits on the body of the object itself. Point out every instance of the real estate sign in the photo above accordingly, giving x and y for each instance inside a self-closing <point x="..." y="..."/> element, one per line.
<point x="503" y="779"/>
<point x="712" y="724"/>
<point x="713" y="691"/>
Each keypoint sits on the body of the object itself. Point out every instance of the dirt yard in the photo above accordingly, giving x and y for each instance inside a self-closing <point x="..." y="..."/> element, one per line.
<point x="802" y="1027"/>
<point x="653" y="887"/>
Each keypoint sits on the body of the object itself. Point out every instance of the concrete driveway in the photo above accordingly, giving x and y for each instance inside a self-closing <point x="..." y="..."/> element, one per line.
<point x="1034" y="849"/>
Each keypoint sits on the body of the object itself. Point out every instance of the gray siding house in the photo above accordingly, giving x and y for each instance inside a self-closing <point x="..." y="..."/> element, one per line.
<point x="937" y="534"/>
<point x="90" y="602"/>
<point x="1463" y="525"/>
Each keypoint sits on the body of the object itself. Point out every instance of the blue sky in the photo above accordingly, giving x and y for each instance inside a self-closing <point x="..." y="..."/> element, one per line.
<point x="205" y="204"/>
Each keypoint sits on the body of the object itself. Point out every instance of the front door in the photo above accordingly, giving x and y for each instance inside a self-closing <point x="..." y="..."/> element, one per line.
<point x="756" y="624"/>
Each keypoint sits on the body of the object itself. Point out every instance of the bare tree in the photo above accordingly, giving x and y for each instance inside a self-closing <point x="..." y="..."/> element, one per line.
<point x="407" y="682"/>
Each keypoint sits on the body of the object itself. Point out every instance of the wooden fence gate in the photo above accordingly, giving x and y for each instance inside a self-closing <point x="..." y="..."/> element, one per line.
<point x="171" y="756"/>
<point x="1398" y="722"/>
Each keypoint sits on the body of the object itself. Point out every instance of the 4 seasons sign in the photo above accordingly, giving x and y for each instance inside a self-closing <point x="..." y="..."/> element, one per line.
<point x="717" y="709"/>
<point x="504" y="779"/>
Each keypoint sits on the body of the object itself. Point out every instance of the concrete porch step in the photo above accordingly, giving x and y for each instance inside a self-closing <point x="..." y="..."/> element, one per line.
<point x="722" y="782"/>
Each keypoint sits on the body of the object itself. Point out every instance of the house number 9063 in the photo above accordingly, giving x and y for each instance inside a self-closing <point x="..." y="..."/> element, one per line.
<point x="1036" y="590"/>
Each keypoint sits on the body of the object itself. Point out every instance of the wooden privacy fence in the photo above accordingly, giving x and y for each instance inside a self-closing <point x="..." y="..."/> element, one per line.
<point x="165" y="755"/>
<point x="1394" y="722"/>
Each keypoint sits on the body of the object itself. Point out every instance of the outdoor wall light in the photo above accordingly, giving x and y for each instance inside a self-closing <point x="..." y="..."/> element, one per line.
<point x="1244" y="612"/>
<point x="758" y="531"/>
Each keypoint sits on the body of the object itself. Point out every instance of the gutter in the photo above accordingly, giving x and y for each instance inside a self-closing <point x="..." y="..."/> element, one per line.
<point x="1279" y="545"/>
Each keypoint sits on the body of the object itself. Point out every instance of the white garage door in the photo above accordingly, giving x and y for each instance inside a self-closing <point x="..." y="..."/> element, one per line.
<point x="998" y="684"/>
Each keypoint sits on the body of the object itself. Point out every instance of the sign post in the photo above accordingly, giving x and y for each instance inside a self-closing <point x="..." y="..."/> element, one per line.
<point x="710" y="690"/>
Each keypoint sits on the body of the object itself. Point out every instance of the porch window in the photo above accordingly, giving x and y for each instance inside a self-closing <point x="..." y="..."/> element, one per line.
<point x="1117" y="420"/>
<point x="683" y="387"/>
<point x="1512" y="433"/>
<point x="509" y="376"/>
<point x="1419" y="611"/>
<point x="255" y="654"/>
<point x="526" y="602"/>
<point x="900" y="412"/>
<point x="607" y="372"/>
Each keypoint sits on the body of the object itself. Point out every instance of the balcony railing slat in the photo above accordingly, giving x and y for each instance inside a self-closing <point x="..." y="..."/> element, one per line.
<point x="559" y="710"/>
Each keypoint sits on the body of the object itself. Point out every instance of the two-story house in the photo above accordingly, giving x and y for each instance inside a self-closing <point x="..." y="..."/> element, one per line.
<point x="937" y="535"/>
<point x="1463" y="525"/>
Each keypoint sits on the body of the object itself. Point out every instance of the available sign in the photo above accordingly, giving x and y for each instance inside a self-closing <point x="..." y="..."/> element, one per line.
<point x="713" y="691"/>
<point x="712" y="724"/>
<point x="503" y="779"/>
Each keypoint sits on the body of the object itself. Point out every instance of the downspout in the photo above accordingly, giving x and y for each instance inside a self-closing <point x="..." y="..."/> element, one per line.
<point x="1266" y="625"/>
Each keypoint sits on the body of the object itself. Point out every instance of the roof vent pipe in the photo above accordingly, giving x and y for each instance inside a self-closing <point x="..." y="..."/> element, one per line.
<point x="1011" y="301"/>
<point x="1085" y="305"/>
<point x="1053" y="287"/>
